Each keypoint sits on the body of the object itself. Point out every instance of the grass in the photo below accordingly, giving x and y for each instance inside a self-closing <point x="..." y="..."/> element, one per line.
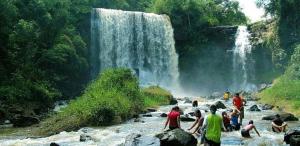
<point x="113" y="97"/>
<point x="155" y="96"/>
<point x="284" y="93"/>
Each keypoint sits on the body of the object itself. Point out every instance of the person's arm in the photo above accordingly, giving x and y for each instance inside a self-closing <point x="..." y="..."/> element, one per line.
<point x="178" y="121"/>
<point x="167" y="122"/>
<point x="194" y="124"/>
<point x="222" y="125"/>
<point x="274" y="125"/>
<point x="204" y="124"/>
<point x="256" y="131"/>
<point x="200" y="122"/>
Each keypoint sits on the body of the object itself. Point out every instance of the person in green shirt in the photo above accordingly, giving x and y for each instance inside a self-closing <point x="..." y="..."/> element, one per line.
<point x="213" y="125"/>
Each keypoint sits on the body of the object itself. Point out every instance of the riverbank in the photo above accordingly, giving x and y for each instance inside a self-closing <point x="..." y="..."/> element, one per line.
<point x="112" y="98"/>
<point x="284" y="95"/>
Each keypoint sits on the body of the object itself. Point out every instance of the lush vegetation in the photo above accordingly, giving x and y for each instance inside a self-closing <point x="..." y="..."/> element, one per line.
<point x="284" y="43"/>
<point x="155" y="96"/>
<point x="112" y="98"/>
<point x="44" y="44"/>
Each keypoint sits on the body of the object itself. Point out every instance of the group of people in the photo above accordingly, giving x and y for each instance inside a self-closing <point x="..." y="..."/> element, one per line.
<point x="210" y="127"/>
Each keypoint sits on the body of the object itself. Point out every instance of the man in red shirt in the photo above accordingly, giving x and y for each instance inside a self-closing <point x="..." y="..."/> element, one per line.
<point x="238" y="103"/>
<point x="173" y="119"/>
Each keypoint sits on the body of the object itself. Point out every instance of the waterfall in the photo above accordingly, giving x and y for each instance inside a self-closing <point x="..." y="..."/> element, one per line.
<point x="242" y="68"/>
<point x="140" y="41"/>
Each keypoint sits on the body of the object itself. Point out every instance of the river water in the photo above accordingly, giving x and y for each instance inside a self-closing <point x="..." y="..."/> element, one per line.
<point x="115" y="135"/>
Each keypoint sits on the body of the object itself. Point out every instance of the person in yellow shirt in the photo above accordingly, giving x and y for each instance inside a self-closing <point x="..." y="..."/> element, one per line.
<point x="226" y="95"/>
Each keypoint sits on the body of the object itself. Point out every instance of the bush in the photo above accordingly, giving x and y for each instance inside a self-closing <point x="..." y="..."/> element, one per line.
<point x="112" y="98"/>
<point x="155" y="96"/>
<point x="284" y="93"/>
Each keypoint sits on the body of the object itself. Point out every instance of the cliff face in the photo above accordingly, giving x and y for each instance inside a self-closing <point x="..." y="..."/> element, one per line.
<point x="262" y="46"/>
<point x="206" y="67"/>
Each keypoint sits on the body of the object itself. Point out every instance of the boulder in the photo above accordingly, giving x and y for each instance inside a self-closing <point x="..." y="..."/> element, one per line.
<point x="138" y="120"/>
<point x="176" y="137"/>
<point x="164" y="115"/>
<point x="283" y="116"/>
<point x="84" y="137"/>
<point x="151" y="109"/>
<point x="254" y="108"/>
<point x="23" y="121"/>
<point x="292" y="136"/>
<point x="173" y="101"/>
<point x="147" y="115"/>
<point x="54" y="144"/>
<point x="140" y="140"/>
<point x="187" y="100"/>
<point x="186" y="118"/>
<point x="295" y="140"/>
<point x="191" y="114"/>
<point x="219" y="104"/>
<point x="267" y="107"/>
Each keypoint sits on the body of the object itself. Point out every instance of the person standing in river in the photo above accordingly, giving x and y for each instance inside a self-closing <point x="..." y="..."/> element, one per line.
<point x="239" y="103"/>
<point x="213" y="125"/>
<point x="173" y="119"/>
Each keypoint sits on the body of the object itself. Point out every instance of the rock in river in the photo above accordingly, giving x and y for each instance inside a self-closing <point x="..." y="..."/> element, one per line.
<point x="283" y="116"/>
<point x="140" y="140"/>
<point x="176" y="137"/>
<point x="219" y="104"/>
<point x="254" y="108"/>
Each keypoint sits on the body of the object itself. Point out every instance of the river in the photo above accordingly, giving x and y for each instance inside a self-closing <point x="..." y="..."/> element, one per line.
<point x="115" y="135"/>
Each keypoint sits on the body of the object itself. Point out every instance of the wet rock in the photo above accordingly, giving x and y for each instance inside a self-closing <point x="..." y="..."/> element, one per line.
<point x="283" y="116"/>
<point x="54" y="144"/>
<point x="176" y="137"/>
<point x="84" y="137"/>
<point x="187" y="100"/>
<point x="186" y="118"/>
<point x="140" y="140"/>
<point x="138" y="120"/>
<point x="173" y="101"/>
<point x="151" y="109"/>
<point x="295" y="140"/>
<point x="254" y="108"/>
<point x="267" y="107"/>
<point x="191" y="114"/>
<point x="147" y="115"/>
<point x="23" y="121"/>
<point x="181" y="111"/>
<point x="164" y="115"/>
<point x="219" y="104"/>
<point x="292" y="136"/>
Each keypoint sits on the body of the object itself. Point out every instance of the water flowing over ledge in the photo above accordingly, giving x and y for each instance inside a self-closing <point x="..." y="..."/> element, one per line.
<point x="140" y="41"/>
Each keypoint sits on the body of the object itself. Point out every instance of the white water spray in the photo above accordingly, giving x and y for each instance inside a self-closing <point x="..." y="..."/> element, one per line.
<point x="241" y="53"/>
<point x="140" y="41"/>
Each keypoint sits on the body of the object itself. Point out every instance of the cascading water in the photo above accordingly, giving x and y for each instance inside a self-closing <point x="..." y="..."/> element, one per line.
<point x="242" y="68"/>
<point x="140" y="41"/>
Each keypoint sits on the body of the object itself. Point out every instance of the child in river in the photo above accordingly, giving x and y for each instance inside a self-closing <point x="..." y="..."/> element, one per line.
<point x="235" y="119"/>
<point x="245" y="132"/>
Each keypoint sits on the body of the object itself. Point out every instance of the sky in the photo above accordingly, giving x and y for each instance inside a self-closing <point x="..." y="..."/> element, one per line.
<point x="251" y="10"/>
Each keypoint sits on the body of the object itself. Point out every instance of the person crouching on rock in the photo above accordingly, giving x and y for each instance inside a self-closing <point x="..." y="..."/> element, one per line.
<point x="278" y="125"/>
<point x="245" y="132"/>
<point x="173" y="119"/>
<point x="198" y="122"/>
